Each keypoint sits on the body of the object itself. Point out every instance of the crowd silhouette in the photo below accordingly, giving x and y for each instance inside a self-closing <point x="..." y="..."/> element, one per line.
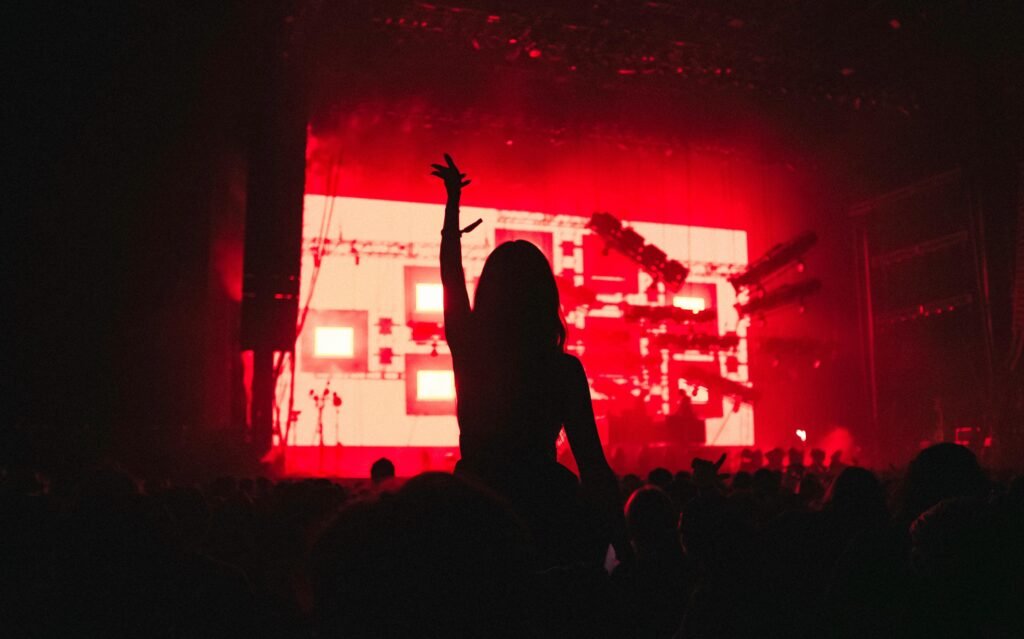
<point x="513" y="544"/>
<point x="930" y="551"/>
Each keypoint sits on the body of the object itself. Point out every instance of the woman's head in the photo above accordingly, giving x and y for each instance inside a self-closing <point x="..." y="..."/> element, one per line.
<point x="517" y="299"/>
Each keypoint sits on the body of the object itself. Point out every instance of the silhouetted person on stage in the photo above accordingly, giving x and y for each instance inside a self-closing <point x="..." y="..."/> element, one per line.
<point x="516" y="388"/>
<point x="382" y="470"/>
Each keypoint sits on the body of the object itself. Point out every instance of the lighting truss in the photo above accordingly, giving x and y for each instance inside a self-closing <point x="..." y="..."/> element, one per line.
<point x="777" y="258"/>
<point x="782" y="296"/>
<point x="699" y="342"/>
<point x="650" y="258"/>
<point x="740" y="393"/>
<point x="663" y="314"/>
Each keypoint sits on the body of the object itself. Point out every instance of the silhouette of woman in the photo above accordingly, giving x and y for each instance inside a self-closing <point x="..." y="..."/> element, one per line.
<point x="516" y="387"/>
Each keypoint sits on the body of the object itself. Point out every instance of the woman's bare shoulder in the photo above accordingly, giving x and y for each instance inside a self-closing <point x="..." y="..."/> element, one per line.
<point x="572" y="363"/>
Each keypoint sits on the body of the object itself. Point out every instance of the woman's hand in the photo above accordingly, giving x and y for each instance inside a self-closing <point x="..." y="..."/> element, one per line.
<point x="454" y="181"/>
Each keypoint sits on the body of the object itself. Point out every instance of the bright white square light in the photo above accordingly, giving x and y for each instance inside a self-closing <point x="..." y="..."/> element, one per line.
<point x="429" y="298"/>
<point x="435" y="385"/>
<point x="334" y="341"/>
<point x="695" y="304"/>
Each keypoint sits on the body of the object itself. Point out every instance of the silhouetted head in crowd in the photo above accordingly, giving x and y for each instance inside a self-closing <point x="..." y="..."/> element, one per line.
<point x="629" y="483"/>
<point x="741" y="481"/>
<point x="747" y="461"/>
<point x="382" y="470"/>
<point x="442" y="556"/>
<point x="775" y="457"/>
<point x="795" y="457"/>
<point x="516" y="305"/>
<point x="967" y="555"/>
<point x="766" y="482"/>
<point x="858" y="495"/>
<point x="652" y="520"/>
<point x="940" y="472"/>
<point x="660" y="477"/>
<point x="682" y="489"/>
<point x="836" y="463"/>
<point x="756" y="458"/>
<point x="817" y="457"/>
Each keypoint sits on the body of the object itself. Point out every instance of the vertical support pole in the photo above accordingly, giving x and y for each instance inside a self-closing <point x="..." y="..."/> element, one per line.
<point x="273" y="233"/>
<point x="869" y="326"/>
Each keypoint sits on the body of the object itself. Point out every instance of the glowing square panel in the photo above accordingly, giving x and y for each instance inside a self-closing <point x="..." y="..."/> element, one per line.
<point x="435" y="385"/>
<point x="695" y="304"/>
<point x="429" y="298"/>
<point x="334" y="341"/>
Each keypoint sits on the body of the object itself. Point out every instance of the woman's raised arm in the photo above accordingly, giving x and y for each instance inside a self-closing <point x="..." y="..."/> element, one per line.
<point x="453" y="277"/>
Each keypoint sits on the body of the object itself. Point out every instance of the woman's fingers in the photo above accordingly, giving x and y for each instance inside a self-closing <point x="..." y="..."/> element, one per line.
<point x="450" y="173"/>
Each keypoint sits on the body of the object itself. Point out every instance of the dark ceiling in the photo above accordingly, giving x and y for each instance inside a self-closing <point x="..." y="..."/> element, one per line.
<point x="868" y="55"/>
<point x="925" y="83"/>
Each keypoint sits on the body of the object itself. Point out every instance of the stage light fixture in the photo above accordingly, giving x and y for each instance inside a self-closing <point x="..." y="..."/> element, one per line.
<point x="435" y="385"/>
<point x="334" y="342"/>
<point x="785" y="294"/>
<point x="662" y="314"/>
<point x="697" y="342"/>
<point x="740" y="393"/>
<point x="777" y="257"/>
<point x="625" y="240"/>
<point x="653" y="258"/>
<point x="386" y="356"/>
<point x="674" y="274"/>
<point x="605" y="224"/>
<point x="631" y="243"/>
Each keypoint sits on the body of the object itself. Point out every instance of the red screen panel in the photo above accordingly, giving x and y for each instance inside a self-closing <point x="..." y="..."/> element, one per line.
<point x="606" y="271"/>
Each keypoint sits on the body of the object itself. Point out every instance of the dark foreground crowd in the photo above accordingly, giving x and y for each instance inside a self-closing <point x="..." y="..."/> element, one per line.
<point x="934" y="551"/>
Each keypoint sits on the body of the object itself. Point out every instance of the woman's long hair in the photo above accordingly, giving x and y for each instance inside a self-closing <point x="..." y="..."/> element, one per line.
<point x="517" y="309"/>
